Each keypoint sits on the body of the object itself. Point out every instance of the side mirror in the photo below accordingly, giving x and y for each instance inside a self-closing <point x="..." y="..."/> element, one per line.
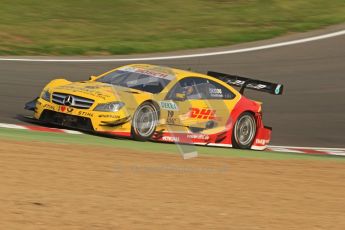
<point x="180" y="96"/>
<point x="92" y="78"/>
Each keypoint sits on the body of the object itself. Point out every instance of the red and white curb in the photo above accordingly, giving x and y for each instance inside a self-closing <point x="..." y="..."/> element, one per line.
<point x="308" y="150"/>
<point x="289" y="149"/>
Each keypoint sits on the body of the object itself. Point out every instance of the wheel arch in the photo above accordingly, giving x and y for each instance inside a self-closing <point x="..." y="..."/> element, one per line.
<point x="57" y="82"/>
<point x="155" y="103"/>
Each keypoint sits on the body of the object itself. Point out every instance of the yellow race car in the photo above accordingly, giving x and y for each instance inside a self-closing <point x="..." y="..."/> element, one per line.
<point x="148" y="102"/>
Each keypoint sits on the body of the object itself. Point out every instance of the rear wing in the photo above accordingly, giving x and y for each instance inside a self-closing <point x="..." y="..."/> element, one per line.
<point x="244" y="82"/>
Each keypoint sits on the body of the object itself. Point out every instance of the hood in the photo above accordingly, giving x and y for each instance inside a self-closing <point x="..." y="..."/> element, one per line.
<point x="98" y="91"/>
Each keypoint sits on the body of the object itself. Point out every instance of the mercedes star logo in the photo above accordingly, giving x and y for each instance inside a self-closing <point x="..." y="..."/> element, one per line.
<point x="68" y="100"/>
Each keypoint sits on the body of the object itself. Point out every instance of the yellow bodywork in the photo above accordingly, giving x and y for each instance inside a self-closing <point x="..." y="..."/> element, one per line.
<point x="103" y="93"/>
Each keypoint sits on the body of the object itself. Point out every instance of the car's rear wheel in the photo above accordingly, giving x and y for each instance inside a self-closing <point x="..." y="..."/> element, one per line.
<point x="144" y="121"/>
<point x="244" y="131"/>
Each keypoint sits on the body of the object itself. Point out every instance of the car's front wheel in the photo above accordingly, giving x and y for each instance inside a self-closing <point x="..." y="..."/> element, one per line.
<point x="144" y="121"/>
<point x="244" y="131"/>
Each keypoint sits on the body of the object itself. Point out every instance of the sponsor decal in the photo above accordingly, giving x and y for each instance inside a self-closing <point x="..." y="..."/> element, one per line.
<point x="205" y="114"/>
<point x="93" y="87"/>
<point x="142" y="81"/>
<point x="240" y="83"/>
<point x="171" y="119"/>
<point x="109" y="90"/>
<point x="198" y="136"/>
<point x="261" y="141"/>
<point x="100" y="95"/>
<point x="48" y="106"/>
<point x="85" y="114"/>
<point x="90" y="90"/>
<point x="149" y="72"/>
<point x="152" y="73"/>
<point x="62" y="108"/>
<point x="214" y="92"/>
<point x="168" y="105"/>
<point x="65" y="109"/>
<point x="171" y="138"/>
<point x="109" y="116"/>
<point x="258" y="86"/>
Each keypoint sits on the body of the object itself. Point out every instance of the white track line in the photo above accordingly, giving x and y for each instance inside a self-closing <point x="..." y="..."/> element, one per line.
<point x="313" y="148"/>
<point x="280" y="44"/>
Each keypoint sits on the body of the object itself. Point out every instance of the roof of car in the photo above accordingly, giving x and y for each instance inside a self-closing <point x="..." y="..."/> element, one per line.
<point x="177" y="73"/>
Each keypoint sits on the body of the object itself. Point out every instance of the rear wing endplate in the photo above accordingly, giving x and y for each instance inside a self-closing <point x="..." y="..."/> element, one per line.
<point x="244" y="82"/>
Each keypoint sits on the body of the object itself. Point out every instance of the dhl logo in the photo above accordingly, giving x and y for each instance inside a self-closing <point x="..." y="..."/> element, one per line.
<point x="207" y="114"/>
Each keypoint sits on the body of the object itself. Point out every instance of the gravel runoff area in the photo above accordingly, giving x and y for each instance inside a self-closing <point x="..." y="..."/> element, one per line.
<point x="66" y="186"/>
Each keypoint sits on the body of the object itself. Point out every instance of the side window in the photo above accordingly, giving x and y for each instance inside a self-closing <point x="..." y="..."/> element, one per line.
<point x="198" y="88"/>
<point x="188" y="88"/>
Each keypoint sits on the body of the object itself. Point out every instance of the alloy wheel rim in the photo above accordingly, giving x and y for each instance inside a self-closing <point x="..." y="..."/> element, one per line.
<point x="245" y="130"/>
<point x="145" y="120"/>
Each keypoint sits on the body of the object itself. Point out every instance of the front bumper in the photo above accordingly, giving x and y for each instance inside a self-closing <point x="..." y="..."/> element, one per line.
<point x="81" y="119"/>
<point x="66" y="120"/>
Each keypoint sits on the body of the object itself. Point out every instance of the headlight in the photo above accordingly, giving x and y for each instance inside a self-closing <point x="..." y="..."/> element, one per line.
<point x="110" y="107"/>
<point x="46" y="96"/>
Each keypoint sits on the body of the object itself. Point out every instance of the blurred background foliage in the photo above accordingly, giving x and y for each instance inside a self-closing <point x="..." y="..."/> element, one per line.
<point x="105" y="27"/>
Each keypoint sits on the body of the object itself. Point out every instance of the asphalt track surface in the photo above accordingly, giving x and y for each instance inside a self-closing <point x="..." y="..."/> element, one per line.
<point x="310" y="113"/>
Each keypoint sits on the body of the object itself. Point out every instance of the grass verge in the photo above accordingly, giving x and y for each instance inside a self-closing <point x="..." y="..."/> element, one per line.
<point x="61" y="138"/>
<point x="103" y="27"/>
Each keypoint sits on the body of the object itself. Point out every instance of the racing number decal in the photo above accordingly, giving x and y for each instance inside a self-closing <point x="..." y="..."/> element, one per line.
<point x="170" y="119"/>
<point x="206" y="114"/>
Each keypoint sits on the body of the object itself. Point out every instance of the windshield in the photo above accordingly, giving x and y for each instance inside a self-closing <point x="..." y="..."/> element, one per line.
<point x="147" y="81"/>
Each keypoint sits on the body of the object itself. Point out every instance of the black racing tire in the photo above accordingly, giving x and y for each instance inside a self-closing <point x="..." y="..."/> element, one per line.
<point x="244" y="131"/>
<point x="144" y="121"/>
